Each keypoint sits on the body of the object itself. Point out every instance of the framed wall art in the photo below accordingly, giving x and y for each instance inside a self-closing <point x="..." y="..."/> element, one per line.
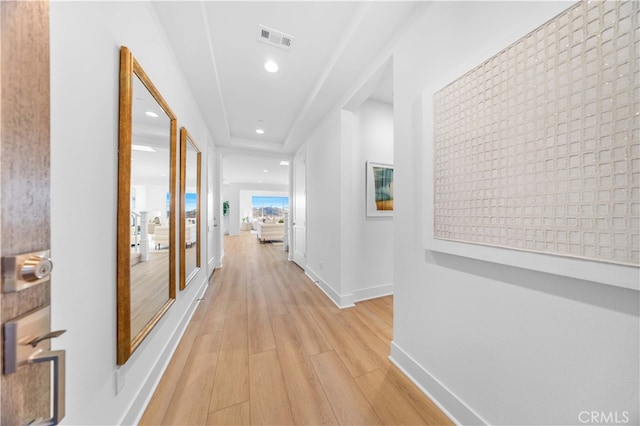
<point x="535" y="151"/>
<point x="379" y="189"/>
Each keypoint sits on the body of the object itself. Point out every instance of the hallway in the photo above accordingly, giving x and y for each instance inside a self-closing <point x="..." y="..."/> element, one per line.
<point x="266" y="346"/>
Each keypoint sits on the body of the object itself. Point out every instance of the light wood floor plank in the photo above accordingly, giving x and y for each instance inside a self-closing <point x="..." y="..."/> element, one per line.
<point x="390" y="404"/>
<point x="190" y="403"/>
<point x="237" y="307"/>
<point x="276" y="303"/>
<point x="309" y="404"/>
<point x="255" y="298"/>
<point x="231" y="384"/>
<point x="203" y="306"/>
<point x="375" y="348"/>
<point x="424" y="406"/>
<point x="269" y="400"/>
<point x="207" y="343"/>
<point x="312" y="338"/>
<point x="157" y="408"/>
<point x="387" y="300"/>
<point x="353" y="356"/>
<point x="369" y="318"/>
<point x="386" y="335"/>
<point x="213" y="320"/>
<point x="349" y="404"/>
<point x="381" y="309"/>
<point x="260" y="333"/>
<point x="239" y="414"/>
<point x="267" y="346"/>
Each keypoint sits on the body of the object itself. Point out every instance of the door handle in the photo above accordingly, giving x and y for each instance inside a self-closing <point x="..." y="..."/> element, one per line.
<point x="58" y="358"/>
<point x="47" y="336"/>
<point x="27" y="341"/>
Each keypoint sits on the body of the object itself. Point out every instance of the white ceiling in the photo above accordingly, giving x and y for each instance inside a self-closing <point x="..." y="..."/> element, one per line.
<point x="149" y="167"/>
<point x="337" y="46"/>
<point x="250" y="169"/>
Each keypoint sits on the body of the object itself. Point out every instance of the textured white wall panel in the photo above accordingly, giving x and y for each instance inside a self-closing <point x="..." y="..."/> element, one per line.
<point x="538" y="148"/>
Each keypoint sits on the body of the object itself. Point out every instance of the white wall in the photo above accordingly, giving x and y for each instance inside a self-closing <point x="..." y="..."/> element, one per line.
<point x="85" y="42"/>
<point x="349" y="254"/>
<point x="323" y="150"/>
<point x="152" y="198"/>
<point x="372" y="236"/>
<point x="492" y="343"/>
<point x="214" y="213"/>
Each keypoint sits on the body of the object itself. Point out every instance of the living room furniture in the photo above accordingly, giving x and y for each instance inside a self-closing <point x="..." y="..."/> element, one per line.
<point x="190" y="234"/>
<point x="161" y="236"/>
<point x="151" y="226"/>
<point x="134" y="238"/>
<point x="270" y="231"/>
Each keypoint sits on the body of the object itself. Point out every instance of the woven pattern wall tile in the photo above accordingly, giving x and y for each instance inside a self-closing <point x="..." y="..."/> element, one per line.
<point x="538" y="148"/>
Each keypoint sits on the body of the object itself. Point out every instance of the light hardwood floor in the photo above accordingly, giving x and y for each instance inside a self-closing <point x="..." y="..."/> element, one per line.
<point x="149" y="289"/>
<point x="266" y="346"/>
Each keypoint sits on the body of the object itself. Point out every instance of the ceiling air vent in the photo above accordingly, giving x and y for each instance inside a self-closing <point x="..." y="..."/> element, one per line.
<point x="274" y="37"/>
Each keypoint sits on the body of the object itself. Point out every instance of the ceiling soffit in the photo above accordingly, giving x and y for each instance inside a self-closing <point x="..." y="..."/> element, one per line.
<point x="222" y="59"/>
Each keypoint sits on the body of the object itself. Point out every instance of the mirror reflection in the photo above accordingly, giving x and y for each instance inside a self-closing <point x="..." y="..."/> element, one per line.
<point x="190" y="208"/>
<point x="150" y="207"/>
<point x="146" y="215"/>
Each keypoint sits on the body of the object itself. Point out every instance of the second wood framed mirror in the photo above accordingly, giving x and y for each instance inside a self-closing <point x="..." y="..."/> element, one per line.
<point x="190" y="197"/>
<point x="146" y="213"/>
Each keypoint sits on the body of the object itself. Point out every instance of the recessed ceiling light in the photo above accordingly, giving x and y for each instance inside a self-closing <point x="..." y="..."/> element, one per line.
<point x="142" y="148"/>
<point x="266" y="171"/>
<point x="259" y="181"/>
<point x="259" y="131"/>
<point x="271" y="66"/>
<point x="284" y="163"/>
<point x="151" y="114"/>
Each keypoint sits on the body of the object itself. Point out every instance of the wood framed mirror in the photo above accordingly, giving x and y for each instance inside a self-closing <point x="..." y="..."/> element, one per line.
<point x="190" y="197"/>
<point x="146" y="213"/>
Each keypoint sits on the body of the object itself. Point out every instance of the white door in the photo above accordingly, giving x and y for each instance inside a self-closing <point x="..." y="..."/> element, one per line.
<point x="213" y="214"/>
<point x="299" y="217"/>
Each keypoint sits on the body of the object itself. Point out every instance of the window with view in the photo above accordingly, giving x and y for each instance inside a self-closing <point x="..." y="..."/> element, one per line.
<point x="269" y="208"/>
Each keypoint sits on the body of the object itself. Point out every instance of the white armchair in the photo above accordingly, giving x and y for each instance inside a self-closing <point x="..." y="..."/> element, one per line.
<point x="161" y="236"/>
<point x="270" y="231"/>
<point x="190" y="234"/>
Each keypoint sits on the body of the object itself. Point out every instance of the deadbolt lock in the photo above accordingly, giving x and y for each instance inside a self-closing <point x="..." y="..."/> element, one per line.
<point x="35" y="268"/>
<point x="25" y="270"/>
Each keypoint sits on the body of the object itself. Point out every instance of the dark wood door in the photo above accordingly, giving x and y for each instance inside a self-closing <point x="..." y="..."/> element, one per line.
<point x="24" y="179"/>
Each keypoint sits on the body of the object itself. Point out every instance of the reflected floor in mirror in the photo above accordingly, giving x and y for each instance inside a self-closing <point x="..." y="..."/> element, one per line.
<point x="266" y="346"/>
<point x="190" y="259"/>
<point x="150" y="291"/>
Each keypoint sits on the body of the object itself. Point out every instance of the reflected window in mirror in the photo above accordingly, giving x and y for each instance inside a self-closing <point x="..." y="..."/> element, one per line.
<point x="146" y="215"/>
<point x="190" y="165"/>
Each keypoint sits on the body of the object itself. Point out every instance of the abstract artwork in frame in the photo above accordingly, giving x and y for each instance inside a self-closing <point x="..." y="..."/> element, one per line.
<point x="379" y="189"/>
<point x="537" y="148"/>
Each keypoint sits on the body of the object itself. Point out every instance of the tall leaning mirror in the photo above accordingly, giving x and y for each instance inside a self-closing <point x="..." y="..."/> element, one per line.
<point x="189" y="208"/>
<point x="146" y="213"/>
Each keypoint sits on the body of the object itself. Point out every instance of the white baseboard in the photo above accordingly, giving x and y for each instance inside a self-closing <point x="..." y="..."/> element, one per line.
<point x="372" y="292"/>
<point x="339" y="300"/>
<point x="459" y="412"/>
<point x="348" y="300"/>
<point x="135" y="411"/>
